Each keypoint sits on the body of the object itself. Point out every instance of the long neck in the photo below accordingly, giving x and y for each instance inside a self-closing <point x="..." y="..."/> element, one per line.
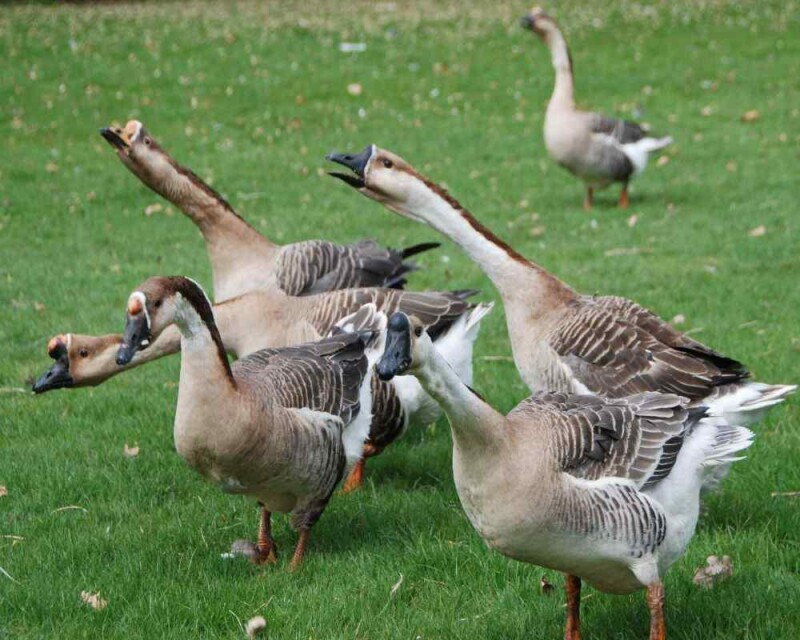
<point x="105" y="366"/>
<point x="563" y="92"/>
<point x="510" y="272"/>
<point x="474" y="422"/>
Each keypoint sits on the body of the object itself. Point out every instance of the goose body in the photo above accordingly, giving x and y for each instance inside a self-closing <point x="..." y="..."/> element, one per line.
<point x="280" y="425"/>
<point x="242" y="259"/>
<point x="596" y="149"/>
<point x="261" y="320"/>
<point x="604" y="490"/>
<point x="561" y="340"/>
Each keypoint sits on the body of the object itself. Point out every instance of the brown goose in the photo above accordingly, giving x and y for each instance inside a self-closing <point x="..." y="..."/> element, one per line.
<point x="260" y="320"/>
<point x="604" y="490"/>
<point x="562" y="340"/>
<point x="596" y="149"/>
<point x="280" y="424"/>
<point x="241" y="258"/>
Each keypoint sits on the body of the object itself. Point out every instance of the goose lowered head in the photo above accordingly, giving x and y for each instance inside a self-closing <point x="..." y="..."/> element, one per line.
<point x="58" y="375"/>
<point x="407" y="344"/>
<point x="80" y="361"/>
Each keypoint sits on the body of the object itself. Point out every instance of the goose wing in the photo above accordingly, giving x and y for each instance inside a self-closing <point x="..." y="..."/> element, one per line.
<point x="316" y="266"/>
<point x="323" y="376"/>
<point x="614" y="347"/>
<point x="637" y="437"/>
<point x="623" y="131"/>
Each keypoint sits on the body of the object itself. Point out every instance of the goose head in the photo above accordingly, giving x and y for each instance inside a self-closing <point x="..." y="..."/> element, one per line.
<point x="155" y="304"/>
<point x="407" y="345"/>
<point x="385" y="177"/>
<point x="142" y="155"/>
<point x="80" y="361"/>
<point x="539" y="23"/>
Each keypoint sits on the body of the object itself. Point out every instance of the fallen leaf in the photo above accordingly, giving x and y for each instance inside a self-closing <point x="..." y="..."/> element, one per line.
<point x="352" y="47"/>
<point x="537" y="231"/>
<point x="38" y="307"/>
<point x="94" y="600"/>
<point x="706" y="111"/>
<point x="622" y="251"/>
<point x="150" y="209"/>
<point x="547" y="588"/>
<point x="750" y="116"/>
<point x="3" y="491"/>
<point x="757" y="232"/>
<point x="731" y="166"/>
<point x="633" y="220"/>
<point x="662" y="161"/>
<point x="774" y="494"/>
<point x="130" y="452"/>
<point x="396" y="586"/>
<point x="678" y="319"/>
<point x="354" y="89"/>
<point x="715" y="571"/>
<point x="255" y="626"/>
<point x="51" y="167"/>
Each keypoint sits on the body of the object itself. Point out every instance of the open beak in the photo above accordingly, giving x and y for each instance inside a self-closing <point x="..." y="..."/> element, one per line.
<point x="396" y="357"/>
<point x="135" y="338"/>
<point x="56" y="377"/>
<point x="113" y="138"/>
<point x="357" y="163"/>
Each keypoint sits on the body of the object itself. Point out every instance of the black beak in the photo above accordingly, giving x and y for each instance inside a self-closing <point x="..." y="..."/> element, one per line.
<point x="396" y="357"/>
<point x="113" y="138"/>
<point x="56" y="377"/>
<point x="527" y="22"/>
<point x="135" y="338"/>
<point x="357" y="163"/>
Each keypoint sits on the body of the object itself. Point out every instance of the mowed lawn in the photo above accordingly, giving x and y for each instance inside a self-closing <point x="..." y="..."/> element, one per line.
<point x="252" y="97"/>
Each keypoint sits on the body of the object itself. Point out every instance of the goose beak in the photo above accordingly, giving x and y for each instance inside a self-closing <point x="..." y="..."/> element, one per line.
<point x="113" y="137"/>
<point x="527" y="22"/>
<point x="56" y="377"/>
<point x="357" y="163"/>
<point x="396" y="357"/>
<point x="135" y="338"/>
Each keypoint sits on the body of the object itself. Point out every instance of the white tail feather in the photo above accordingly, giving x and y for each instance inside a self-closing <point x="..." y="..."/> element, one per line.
<point x="749" y="402"/>
<point x="639" y="151"/>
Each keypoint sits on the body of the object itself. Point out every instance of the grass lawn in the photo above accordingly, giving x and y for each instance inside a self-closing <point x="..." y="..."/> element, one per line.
<point x="252" y="97"/>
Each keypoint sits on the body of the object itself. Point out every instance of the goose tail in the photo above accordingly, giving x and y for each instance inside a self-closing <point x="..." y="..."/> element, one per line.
<point x="748" y="402"/>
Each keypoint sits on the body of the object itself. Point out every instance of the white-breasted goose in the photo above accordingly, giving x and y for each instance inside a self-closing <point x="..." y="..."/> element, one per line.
<point x="562" y="340"/>
<point x="242" y="259"/>
<point x="597" y="149"/>
<point x="604" y="490"/>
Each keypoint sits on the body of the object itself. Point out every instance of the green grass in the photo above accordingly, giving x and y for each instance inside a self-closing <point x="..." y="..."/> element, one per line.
<point x="253" y="98"/>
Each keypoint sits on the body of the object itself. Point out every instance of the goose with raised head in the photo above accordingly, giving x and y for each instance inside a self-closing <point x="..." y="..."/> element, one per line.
<point x="280" y="424"/>
<point x="242" y="259"/>
<point x="260" y="320"/>
<point x="603" y="490"/>
<point x="596" y="149"/>
<point x="562" y="340"/>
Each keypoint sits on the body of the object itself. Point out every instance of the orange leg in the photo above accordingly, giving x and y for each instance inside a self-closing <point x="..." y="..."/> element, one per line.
<point x="299" y="551"/>
<point x="267" y="549"/>
<point x="356" y="477"/>
<point x="573" y="585"/>
<point x="587" y="201"/>
<point x="623" y="197"/>
<point x="655" y="601"/>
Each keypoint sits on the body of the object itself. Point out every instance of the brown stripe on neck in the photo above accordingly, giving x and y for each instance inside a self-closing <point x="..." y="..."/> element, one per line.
<point x="194" y="295"/>
<point x="473" y="222"/>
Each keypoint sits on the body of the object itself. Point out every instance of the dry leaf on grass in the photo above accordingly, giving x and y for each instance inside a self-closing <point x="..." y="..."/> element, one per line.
<point x="3" y="491"/>
<point x="354" y="89"/>
<point x="255" y="626"/>
<point x="241" y="548"/>
<point x="715" y="571"/>
<point x="758" y="231"/>
<point x="623" y="251"/>
<point x="751" y="116"/>
<point x="150" y="209"/>
<point x="774" y="494"/>
<point x="633" y="220"/>
<point x="662" y="160"/>
<point x="130" y="452"/>
<point x="678" y="319"/>
<point x="396" y="586"/>
<point x="537" y="231"/>
<point x="706" y="111"/>
<point x="546" y="587"/>
<point x="94" y="600"/>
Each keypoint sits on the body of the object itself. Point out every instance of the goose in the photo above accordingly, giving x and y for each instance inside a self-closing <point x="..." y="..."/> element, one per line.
<point x="279" y="424"/>
<point x="605" y="490"/>
<point x="562" y="340"/>
<point x="260" y="320"/>
<point x="596" y="149"/>
<point x="241" y="258"/>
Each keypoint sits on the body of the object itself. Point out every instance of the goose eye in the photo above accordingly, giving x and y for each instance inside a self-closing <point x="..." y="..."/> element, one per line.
<point x="387" y="163"/>
<point x="157" y="304"/>
<point x="147" y="141"/>
<point x="83" y="352"/>
<point x="418" y="331"/>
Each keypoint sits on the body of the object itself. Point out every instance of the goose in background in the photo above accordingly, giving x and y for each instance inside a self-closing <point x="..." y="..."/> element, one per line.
<point x="605" y="490"/>
<point x="241" y="258"/>
<point x="562" y="340"/>
<point x="280" y="424"/>
<point x="260" y="320"/>
<point x="596" y="149"/>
